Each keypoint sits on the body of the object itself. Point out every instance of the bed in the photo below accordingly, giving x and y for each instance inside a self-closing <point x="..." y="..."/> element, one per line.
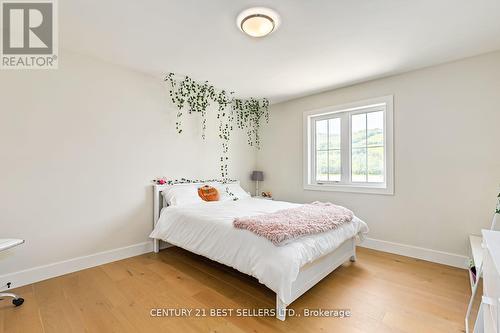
<point x="289" y="270"/>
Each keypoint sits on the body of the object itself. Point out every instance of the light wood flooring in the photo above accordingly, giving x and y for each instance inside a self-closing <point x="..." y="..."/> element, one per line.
<point x="384" y="292"/>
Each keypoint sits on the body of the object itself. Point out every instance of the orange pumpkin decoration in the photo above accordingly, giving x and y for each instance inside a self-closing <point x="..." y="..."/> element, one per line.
<point x="208" y="193"/>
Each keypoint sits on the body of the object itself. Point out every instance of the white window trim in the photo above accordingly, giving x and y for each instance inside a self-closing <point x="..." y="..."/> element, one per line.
<point x="387" y="187"/>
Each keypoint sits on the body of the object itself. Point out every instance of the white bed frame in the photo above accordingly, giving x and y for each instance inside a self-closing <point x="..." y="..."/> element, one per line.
<point x="309" y="274"/>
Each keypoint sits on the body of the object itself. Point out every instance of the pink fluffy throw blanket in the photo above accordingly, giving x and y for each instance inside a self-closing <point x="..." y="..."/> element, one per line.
<point x="292" y="223"/>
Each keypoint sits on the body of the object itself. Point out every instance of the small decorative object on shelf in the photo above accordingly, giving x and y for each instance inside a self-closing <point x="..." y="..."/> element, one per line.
<point x="267" y="194"/>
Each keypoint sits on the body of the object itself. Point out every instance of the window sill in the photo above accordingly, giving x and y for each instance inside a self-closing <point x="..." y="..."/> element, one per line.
<point x="350" y="188"/>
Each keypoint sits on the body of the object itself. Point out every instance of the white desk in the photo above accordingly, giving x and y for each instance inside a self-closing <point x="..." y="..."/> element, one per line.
<point x="6" y="243"/>
<point x="491" y="281"/>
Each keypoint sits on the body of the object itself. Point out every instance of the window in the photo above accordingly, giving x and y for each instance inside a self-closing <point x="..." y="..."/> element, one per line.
<point x="350" y="147"/>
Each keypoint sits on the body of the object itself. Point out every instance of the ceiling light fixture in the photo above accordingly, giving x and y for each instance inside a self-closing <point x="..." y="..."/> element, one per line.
<point x="258" y="21"/>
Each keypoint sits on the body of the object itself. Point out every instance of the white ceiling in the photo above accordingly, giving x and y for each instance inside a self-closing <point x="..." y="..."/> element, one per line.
<point x="320" y="44"/>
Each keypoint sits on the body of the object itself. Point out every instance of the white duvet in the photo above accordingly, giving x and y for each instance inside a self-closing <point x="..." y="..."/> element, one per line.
<point x="207" y="229"/>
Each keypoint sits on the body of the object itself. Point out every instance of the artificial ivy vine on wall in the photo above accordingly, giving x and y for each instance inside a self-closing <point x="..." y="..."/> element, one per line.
<point x="498" y="204"/>
<point x="187" y="94"/>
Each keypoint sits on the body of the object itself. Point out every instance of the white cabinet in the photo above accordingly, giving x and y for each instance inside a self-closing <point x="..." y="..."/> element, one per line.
<point x="491" y="281"/>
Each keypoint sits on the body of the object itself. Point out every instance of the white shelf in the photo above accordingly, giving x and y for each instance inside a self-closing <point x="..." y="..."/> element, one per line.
<point x="492" y="242"/>
<point x="476" y="249"/>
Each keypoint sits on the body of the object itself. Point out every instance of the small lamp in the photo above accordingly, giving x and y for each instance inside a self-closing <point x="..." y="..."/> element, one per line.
<point x="257" y="176"/>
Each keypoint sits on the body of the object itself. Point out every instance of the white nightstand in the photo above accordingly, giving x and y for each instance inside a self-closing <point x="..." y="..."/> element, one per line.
<point x="261" y="197"/>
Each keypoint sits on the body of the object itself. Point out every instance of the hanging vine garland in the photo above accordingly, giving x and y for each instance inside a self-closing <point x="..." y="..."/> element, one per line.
<point x="225" y="128"/>
<point x="250" y="112"/>
<point x="197" y="97"/>
<point x="193" y="95"/>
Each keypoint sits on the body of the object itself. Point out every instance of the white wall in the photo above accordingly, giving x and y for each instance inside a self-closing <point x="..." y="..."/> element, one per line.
<point x="447" y="161"/>
<point x="79" y="147"/>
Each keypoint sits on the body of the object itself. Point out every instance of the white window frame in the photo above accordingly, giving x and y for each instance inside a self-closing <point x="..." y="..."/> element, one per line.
<point x="345" y="111"/>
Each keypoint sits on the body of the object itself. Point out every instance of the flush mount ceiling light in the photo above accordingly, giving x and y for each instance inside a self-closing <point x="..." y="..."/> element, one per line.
<point x="258" y="21"/>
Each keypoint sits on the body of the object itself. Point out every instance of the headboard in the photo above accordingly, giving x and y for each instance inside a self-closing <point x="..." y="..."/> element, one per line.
<point x="157" y="202"/>
<point x="158" y="198"/>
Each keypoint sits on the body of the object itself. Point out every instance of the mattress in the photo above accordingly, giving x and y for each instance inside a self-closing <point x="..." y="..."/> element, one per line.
<point x="207" y="229"/>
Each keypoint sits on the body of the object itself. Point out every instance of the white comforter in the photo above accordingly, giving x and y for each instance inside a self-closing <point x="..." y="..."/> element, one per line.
<point x="207" y="229"/>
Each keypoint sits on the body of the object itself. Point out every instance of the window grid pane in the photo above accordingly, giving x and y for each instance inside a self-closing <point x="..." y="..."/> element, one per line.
<point x="358" y="130"/>
<point x="375" y="128"/>
<point x="375" y="164"/>
<point x="358" y="169"/>
<point x="367" y="152"/>
<point x="334" y="133"/>
<point x="328" y="147"/>
<point x="322" y="135"/>
<point x="322" y="165"/>
<point x="334" y="165"/>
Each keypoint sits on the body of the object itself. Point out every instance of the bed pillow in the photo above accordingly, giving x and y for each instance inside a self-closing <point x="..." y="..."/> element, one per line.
<point x="231" y="191"/>
<point x="181" y="194"/>
<point x="208" y="193"/>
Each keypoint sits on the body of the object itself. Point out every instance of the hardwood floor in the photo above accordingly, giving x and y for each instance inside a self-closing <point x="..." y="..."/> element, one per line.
<point x="384" y="292"/>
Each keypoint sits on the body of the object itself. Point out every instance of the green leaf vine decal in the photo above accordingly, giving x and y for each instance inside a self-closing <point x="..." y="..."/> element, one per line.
<point x="498" y="204"/>
<point x="247" y="114"/>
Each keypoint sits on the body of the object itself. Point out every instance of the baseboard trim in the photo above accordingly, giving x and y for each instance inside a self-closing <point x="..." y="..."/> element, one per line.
<point x="440" y="257"/>
<point x="40" y="273"/>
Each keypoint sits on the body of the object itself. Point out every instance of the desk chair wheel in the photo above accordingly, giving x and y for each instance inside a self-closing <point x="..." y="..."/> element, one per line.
<point x="18" y="301"/>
